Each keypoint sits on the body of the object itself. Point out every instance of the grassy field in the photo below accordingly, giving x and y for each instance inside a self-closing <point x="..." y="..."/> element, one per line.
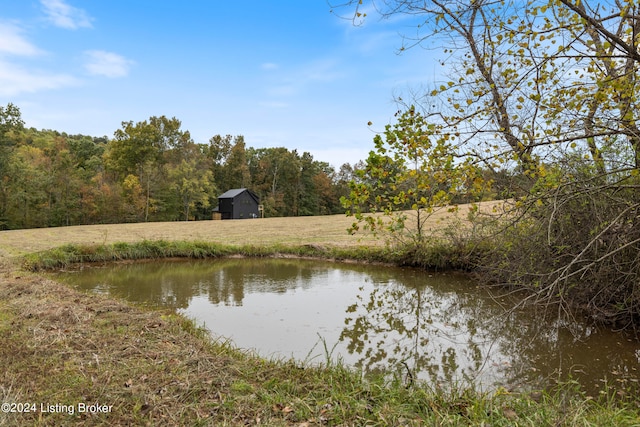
<point x="79" y="359"/>
<point x="324" y="230"/>
<point x="268" y="231"/>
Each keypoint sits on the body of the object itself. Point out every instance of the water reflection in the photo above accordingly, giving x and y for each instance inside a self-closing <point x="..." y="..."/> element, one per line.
<point x="439" y="328"/>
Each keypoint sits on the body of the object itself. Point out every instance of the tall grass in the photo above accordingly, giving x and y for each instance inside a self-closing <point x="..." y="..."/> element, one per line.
<point x="66" y="255"/>
<point x="436" y="257"/>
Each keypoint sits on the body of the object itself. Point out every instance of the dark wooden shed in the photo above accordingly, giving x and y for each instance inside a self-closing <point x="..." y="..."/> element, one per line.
<point x="239" y="203"/>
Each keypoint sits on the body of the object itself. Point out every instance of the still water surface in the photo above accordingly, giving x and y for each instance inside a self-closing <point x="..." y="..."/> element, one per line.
<point x="436" y="327"/>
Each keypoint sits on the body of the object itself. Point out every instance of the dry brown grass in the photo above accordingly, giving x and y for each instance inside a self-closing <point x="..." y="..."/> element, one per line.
<point x="319" y="229"/>
<point x="324" y="230"/>
<point x="59" y="346"/>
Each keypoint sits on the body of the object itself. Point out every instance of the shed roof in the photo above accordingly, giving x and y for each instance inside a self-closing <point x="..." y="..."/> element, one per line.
<point x="230" y="194"/>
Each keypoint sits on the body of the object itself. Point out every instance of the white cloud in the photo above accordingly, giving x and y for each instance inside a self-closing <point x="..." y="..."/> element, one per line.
<point x="12" y="42"/>
<point x="296" y="81"/>
<point x="321" y="71"/>
<point x="15" y="80"/>
<point x="274" y="104"/>
<point x="108" y="64"/>
<point x="269" y="66"/>
<point x="65" y="16"/>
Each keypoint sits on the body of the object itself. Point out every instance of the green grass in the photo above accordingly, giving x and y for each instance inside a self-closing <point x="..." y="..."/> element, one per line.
<point x="438" y="256"/>
<point x="70" y="254"/>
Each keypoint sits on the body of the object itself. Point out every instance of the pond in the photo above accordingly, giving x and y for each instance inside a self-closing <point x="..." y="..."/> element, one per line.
<point x="441" y="328"/>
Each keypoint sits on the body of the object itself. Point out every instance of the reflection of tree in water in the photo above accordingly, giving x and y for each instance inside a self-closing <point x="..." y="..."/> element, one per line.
<point x="235" y="278"/>
<point x="444" y="334"/>
<point x="427" y="329"/>
<point x="148" y="283"/>
<point x="412" y="330"/>
<point x="174" y="284"/>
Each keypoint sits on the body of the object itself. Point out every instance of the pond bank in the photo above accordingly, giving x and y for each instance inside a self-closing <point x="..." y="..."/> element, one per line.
<point x="63" y="347"/>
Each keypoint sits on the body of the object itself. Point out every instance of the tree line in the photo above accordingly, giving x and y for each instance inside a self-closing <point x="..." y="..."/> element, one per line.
<point x="149" y="171"/>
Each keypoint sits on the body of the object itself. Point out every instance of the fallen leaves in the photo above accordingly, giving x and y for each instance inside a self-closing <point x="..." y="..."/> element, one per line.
<point x="280" y="408"/>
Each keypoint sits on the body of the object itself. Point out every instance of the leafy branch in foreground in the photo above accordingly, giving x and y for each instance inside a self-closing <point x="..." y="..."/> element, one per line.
<point x="412" y="173"/>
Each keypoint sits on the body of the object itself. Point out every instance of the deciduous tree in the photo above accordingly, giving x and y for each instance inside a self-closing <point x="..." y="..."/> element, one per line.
<point x="545" y="89"/>
<point x="192" y="185"/>
<point x="10" y="123"/>
<point x="411" y="174"/>
<point x="141" y="149"/>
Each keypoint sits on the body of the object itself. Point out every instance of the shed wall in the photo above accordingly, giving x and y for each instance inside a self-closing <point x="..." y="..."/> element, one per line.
<point x="244" y="206"/>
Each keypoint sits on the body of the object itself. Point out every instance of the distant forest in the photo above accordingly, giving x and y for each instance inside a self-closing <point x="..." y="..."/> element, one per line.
<point x="150" y="171"/>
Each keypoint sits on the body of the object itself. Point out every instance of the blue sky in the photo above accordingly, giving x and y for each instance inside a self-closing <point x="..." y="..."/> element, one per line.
<point x="282" y="73"/>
